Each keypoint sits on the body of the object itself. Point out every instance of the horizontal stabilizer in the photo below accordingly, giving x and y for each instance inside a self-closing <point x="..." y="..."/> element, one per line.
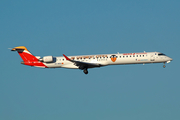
<point x="19" y="48"/>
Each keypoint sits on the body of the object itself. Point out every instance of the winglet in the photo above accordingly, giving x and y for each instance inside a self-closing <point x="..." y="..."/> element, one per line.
<point x="66" y="57"/>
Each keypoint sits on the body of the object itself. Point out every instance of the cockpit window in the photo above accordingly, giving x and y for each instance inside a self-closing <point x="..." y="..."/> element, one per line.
<point x="160" y="54"/>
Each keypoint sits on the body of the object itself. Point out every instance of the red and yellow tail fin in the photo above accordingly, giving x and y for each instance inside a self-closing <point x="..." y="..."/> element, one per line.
<point x="28" y="58"/>
<point x="24" y="53"/>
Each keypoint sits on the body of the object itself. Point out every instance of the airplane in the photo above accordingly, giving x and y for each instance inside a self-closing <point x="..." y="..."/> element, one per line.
<point x="84" y="62"/>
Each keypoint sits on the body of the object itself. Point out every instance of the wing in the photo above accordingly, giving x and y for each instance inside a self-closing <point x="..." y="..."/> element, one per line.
<point x="83" y="65"/>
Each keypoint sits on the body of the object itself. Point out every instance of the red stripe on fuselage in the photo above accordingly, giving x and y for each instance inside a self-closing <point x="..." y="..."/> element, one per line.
<point x="35" y="63"/>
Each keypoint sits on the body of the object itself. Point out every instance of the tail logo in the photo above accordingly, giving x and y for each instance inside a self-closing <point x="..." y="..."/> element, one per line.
<point x="113" y="58"/>
<point x="27" y="57"/>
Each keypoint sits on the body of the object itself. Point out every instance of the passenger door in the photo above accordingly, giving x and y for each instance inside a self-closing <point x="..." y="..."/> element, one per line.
<point x="152" y="57"/>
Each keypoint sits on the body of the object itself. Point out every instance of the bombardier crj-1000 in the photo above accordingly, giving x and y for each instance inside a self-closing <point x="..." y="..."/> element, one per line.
<point x="84" y="62"/>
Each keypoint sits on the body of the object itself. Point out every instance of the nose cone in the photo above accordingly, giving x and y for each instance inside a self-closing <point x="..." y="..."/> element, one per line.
<point x="170" y="59"/>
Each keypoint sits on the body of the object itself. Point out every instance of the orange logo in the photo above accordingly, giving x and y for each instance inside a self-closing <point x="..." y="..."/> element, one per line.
<point x="113" y="58"/>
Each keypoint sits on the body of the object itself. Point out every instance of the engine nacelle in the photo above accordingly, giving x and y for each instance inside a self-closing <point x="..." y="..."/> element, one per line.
<point x="47" y="59"/>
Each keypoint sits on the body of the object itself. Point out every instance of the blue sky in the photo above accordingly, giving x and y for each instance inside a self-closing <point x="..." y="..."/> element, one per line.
<point x="138" y="92"/>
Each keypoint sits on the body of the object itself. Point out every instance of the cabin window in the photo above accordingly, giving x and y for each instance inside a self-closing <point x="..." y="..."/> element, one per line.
<point x="137" y="55"/>
<point x="126" y="56"/>
<point x="123" y="56"/>
<point x="119" y="56"/>
<point x="133" y="55"/>
<point x="130" y="56"/>
<point x="143" y="55"/>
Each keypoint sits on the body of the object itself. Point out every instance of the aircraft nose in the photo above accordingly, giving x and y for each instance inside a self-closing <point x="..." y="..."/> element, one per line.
<point x="170" y="59"/>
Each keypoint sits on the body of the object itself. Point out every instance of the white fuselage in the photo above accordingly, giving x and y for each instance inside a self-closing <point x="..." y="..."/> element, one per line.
<point x="111" y="59"/>
<point x="84" y="62"/>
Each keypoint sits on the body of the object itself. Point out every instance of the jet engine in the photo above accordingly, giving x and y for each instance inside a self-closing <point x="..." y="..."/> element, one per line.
<point x="46" y="59"/>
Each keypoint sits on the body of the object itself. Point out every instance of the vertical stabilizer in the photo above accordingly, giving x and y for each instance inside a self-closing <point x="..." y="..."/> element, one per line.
<point x="24" y="53"/>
